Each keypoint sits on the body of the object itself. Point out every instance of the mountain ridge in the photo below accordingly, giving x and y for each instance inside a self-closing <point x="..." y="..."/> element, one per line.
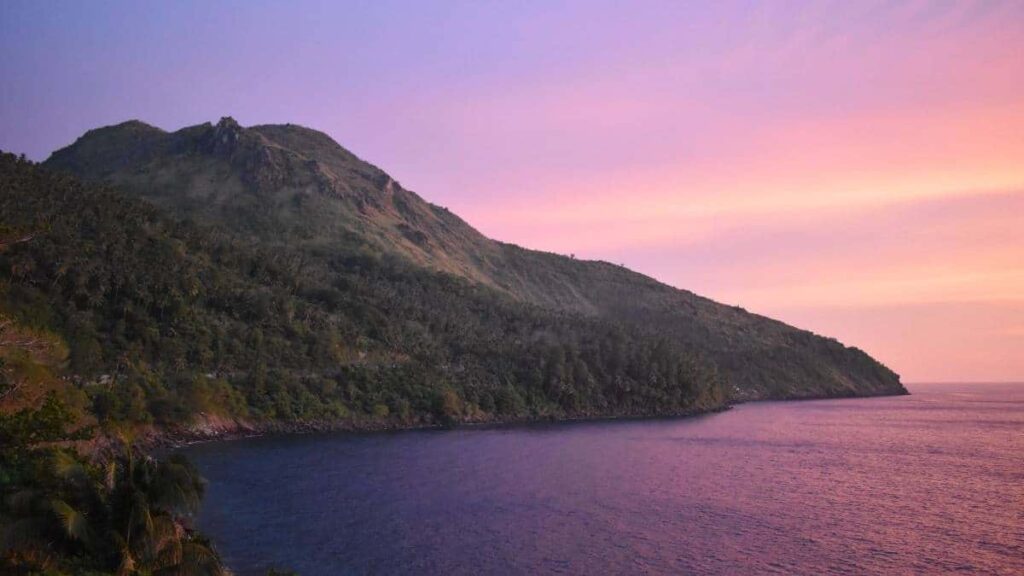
<point x="297" y="186"/>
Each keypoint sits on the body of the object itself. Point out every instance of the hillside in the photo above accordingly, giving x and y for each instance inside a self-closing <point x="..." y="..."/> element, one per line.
<point x="295" y="188"/>
<point x="174" y="323"/>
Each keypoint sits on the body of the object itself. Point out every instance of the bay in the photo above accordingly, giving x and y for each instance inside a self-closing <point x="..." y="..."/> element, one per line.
<point x="927" y="483"/>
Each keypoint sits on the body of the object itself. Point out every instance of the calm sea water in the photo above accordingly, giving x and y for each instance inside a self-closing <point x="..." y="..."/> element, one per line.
<point x="925" y="484"/>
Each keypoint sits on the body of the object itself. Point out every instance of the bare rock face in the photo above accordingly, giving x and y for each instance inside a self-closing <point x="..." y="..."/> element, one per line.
<point x="225" y="136"/>
<point x="294" y="185"/>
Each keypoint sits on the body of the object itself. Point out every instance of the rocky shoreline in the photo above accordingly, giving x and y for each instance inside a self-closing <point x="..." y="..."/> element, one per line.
<point x="216" y="429"/>
<point x="213" y="428"/>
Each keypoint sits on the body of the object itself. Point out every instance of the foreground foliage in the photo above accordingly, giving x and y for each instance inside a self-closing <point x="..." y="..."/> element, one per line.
<point x="122" y="514"/>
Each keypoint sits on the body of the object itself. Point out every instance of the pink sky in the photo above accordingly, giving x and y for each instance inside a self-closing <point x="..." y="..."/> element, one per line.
<point x="854" y="168"/>
<point x="868" y="186"/>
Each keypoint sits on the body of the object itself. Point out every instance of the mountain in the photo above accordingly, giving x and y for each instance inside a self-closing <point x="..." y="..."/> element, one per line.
<point x="136" y="317"/>
<point x="286" y="185"/>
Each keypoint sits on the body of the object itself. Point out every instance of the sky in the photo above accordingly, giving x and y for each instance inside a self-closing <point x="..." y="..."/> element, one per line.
<point x="853" y="168"/>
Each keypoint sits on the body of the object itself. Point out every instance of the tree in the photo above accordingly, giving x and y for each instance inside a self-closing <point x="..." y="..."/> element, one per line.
<point x="64" y="514"/>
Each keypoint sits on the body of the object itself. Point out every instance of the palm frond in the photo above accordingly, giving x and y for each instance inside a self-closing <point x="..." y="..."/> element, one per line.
<point x="168" y="559"/>
<point x="74" y="523"/>
<point x="199" y="559"/>
<point x="144" y="517"/>
<point x="176" y="486"/>
<point x="67" y="466"/>
<point x="127" y="565"/>
<point x="110" y="475"/>
<point x="165" y="531"/>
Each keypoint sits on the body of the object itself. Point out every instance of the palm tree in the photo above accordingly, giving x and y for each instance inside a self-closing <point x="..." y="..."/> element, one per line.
<point x="127" y="516"/>
<point x="149" y="501"/>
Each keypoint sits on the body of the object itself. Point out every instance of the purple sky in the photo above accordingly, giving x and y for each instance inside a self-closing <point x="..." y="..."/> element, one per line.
<point x="856" y="168"/>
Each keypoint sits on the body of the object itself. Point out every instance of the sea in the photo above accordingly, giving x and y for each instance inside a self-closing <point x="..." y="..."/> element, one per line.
<point x="930" y="483"/>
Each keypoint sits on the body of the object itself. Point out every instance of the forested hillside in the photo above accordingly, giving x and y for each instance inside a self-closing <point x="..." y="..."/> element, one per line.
<point x="218" y="279"/>
<point x="292" y="187"/>
<point x="164" y="321"/>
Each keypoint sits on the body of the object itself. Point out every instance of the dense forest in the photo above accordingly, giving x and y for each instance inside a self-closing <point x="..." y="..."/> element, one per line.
<point x="164" y="320"/>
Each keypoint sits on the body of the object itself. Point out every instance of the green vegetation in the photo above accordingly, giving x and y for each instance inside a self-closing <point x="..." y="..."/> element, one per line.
<point x="295" y="188"/>
<point x="123" y="514"/>
<point x="112" y="512"/>
<point x="166" y="320"/>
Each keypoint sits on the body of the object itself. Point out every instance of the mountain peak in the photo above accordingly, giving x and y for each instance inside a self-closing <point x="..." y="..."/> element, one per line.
<point x="228" y="123"/>
<point x="129" y="129"/>
<point x="109" y="148"/>
<point x="226" y="135"/>
<point x="134" y="124"/>
<point x="228" y="127"/>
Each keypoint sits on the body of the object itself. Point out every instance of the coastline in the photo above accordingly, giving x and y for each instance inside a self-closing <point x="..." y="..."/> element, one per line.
<point x="221" y="429"/>
<point x="172" y="439"/>
<point x="168" y="441"/>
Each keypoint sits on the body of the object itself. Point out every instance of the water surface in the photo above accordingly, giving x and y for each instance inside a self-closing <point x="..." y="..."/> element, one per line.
<point x="929" y="483"/>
